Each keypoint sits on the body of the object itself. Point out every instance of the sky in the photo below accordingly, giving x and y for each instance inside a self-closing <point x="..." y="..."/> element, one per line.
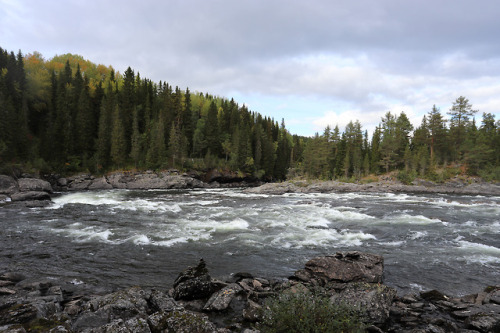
<point x="314" y="63"/>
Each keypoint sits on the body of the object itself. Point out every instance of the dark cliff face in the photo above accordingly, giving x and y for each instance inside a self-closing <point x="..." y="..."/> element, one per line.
<point x="199" y="303"/>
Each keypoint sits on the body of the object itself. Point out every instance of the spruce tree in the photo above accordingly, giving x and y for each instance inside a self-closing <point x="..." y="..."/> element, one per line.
<point x="118" y="140"/>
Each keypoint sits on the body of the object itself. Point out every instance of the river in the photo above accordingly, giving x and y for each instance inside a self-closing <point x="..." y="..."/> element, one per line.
<point x="119" y="238"/>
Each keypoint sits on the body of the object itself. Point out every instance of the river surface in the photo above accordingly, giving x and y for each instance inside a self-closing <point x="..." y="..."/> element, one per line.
<point x="119" y="238"/>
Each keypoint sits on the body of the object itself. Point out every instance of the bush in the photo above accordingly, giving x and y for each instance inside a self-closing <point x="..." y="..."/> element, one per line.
<point x="490" y="174"/>
<point x="406" y="177"/>
<point x="309" y="312"/>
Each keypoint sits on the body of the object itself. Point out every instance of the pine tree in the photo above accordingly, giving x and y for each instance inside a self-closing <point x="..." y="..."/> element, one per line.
<point x="118" y="140"/>
<point x="212" y="130"/>
<point x="460" y="113"/>
<point x="176" y="145"/>
<point x="136" y="146"/>
<point x="438" y="135"/>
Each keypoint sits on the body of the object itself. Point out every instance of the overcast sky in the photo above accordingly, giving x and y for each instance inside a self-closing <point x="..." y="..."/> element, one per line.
<point x="311" y="62"/>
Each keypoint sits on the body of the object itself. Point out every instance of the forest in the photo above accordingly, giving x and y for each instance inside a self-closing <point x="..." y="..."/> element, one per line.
<point x="69" y="115"/>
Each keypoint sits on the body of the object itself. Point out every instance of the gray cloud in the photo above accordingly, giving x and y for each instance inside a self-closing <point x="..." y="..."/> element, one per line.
<point x="363" y="53"/>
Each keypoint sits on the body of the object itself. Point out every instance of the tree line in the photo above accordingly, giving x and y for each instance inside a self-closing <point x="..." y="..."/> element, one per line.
<point x="68" y="114"/>
<point x="437" y="149"/>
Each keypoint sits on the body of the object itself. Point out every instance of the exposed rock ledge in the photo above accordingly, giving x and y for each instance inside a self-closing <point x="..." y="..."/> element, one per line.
<point x="454" y="186"/>
<point x="32" y="190"/>
<point x="199" y="303"/>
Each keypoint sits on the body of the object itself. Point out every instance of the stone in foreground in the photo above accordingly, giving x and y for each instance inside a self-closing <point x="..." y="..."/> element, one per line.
<point x="352" y="266"/>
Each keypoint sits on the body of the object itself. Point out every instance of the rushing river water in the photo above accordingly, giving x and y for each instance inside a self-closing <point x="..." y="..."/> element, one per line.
<point x="118" y="238"/>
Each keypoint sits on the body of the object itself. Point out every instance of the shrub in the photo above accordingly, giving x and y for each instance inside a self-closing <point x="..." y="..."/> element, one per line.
<point x="406" y="177"/>
<point x="309" y="312"/>
<point x="490" y="174"/>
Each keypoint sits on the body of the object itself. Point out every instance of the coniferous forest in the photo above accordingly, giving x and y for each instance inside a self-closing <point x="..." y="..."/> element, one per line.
<point x="70" y="115"/>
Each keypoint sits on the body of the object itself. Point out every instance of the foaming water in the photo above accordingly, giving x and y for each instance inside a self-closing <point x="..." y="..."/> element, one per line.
<point x="124" y="237"/>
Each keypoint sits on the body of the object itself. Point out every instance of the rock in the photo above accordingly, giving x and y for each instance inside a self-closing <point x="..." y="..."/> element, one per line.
<point x="34" y="184"/>
<point x="374" y="300"/>
<point x="31" y="195"/>
<point x="124" y="304"/>
<point x="12" y="329"/>
<point x="12" y="276"/>
<point x="134" y="325"/>
<point x="100" y="184"/>
<point x="344" y="267"/>
<point x="160" y="301"/>
<point x="180" y="322"/>
<point x="8" y="185"/>
<point x="221" y="299"/>
<point x="485" y="322"/>
<point x="252" y="312"/>
<point x="193" y="283"/>
<point x="7" y="291"/>
<point x="18" y="314"/>
<point x="433" y="295"/>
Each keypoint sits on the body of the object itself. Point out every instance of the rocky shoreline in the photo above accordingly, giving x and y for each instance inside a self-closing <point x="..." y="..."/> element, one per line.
<point x="199" y="303"/>
<point x="33" y="191"/>
<point x="453" y="186"/>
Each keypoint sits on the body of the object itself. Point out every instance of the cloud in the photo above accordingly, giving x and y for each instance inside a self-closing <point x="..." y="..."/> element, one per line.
<point x="355" y="57"/>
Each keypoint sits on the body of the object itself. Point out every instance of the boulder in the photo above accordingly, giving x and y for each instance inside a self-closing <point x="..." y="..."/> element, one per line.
<point x="103" y="310"/>
<point x="343" y="267"/>
<point x="17" y="313"/>
<point x="373" y="299"/>
<point x="31" y="195"/>
<point x="193" y="283"/>
<point x="8" y="185"/>
<point x="34" y="184"/>
<point x="159" y="301"/>
<point x="100" y="184"/>
<point x="220" y="300"/>
<point x="180" y="321"/>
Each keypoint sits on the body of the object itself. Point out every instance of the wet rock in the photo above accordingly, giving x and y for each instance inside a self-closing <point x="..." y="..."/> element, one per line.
<point x="344" y="267"/>
<point x="34" y="184"/>
<point x="31" y="195"/>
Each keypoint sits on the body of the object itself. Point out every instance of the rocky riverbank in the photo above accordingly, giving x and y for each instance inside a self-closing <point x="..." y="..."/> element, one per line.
<point x="33" y="191"/>
<point x="199" y="303"/>
<point x="472" y="186"/>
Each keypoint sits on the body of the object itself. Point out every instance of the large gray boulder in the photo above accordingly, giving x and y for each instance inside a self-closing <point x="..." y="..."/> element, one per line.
<point x="30" y="195"/>
<point x="34" y="184"/>
<point x="120" y="306"/>
<point x="8" y="185"/>
<point x="352" y="266"/>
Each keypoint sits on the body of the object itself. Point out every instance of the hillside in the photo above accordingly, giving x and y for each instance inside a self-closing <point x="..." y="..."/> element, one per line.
<point x="69" y="115"/>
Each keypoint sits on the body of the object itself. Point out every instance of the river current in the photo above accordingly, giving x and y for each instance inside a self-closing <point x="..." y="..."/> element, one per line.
<point x="119" y="238"/>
